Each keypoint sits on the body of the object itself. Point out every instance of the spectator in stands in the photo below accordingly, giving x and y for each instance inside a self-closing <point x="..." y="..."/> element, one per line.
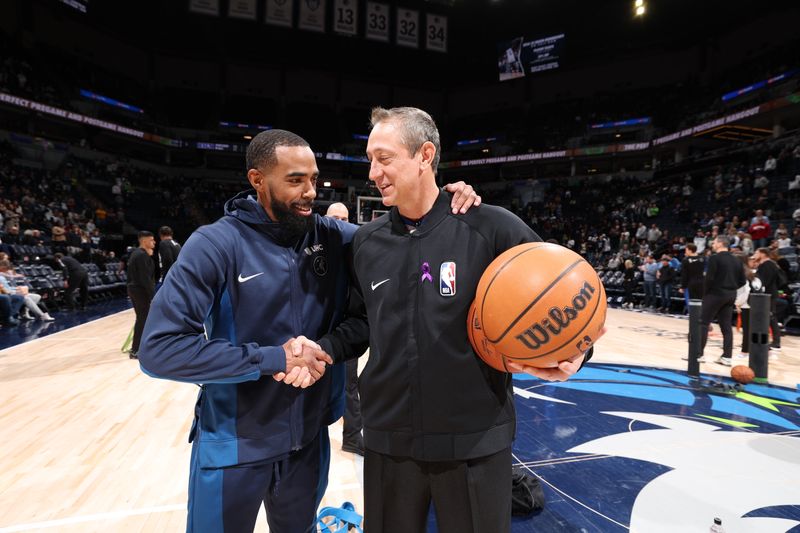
<point x="782" y="239"/>
<point x="653" y="234"/>
<point x="760" y="230"/>
<point x="793" y="189"/>
<point x="168" y="250"/>
<point x="141" y="285"/>
<point x="724" y="276"/>
<point x="759" y="214"/>
<point x="665" y="275"/>
<point x="772" y="279"/>
<point x="76" y="278"/>
<point x="650" y="267"/>
<point x="746" y="243"/>
<point x="761" y="182"/>
<point x="641" y="232"/>
<point x="31" y="301"/>
<point x="700" y="241"/>
<point x="769" y="166"/>
<point x="10" y="305"/>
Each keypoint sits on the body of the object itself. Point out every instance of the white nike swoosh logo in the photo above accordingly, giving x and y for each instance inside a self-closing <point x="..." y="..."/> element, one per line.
<point x="242" y="279"/>
<point x="376" y="285"/>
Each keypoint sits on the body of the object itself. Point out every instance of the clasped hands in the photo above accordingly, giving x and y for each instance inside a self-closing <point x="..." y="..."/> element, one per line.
<point x="305" y="362"/>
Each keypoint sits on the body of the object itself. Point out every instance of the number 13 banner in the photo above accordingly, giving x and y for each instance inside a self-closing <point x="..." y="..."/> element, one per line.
<point x="345" y="17"/>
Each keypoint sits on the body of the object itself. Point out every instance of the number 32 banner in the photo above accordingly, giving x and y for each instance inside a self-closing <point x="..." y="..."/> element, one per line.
<point x="407" y="27"/>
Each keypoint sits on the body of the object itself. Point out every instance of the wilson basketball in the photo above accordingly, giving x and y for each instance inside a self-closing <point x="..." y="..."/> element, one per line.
<point x="536" y="304"/>
<point x="742" y="374"/>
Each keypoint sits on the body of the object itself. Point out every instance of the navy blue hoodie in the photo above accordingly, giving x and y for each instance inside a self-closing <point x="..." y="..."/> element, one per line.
<point x="237" y="292"/>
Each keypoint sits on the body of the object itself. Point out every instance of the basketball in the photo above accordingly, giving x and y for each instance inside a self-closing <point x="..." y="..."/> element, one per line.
<point x="536" y="304"/>
<point x="742" y="374"/>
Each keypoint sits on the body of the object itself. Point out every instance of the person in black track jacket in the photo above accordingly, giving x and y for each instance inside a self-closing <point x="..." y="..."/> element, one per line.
<point x="438" y="421"/>
<point x="141" y="284"/>
<point x="724" y="276"/>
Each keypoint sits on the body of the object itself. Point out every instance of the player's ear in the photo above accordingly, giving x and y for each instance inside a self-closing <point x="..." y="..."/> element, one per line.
<point x="256" y="178"/>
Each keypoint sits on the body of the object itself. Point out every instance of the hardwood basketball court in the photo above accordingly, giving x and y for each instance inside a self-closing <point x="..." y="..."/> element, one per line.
<point x="89" y="443"/>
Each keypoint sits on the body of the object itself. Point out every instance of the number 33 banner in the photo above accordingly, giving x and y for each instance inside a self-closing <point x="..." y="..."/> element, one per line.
<point x="377" y="23"/>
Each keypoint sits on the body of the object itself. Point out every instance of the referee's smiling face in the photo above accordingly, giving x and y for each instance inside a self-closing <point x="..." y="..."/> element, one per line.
<point x="393" y="169"/>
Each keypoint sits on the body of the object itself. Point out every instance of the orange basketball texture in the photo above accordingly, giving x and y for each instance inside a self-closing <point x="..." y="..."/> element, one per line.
<point x="536" y="304"/>
<point x="743" y="374"/>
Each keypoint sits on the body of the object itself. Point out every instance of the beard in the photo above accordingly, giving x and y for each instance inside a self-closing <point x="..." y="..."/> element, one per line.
<point x="293" y="226"/>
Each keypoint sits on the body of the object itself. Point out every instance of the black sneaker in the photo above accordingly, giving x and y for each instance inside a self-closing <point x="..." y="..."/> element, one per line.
<point x="133" y="355"/>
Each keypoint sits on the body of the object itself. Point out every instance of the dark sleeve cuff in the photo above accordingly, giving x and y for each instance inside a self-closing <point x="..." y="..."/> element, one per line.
<point x="272" y="360"/>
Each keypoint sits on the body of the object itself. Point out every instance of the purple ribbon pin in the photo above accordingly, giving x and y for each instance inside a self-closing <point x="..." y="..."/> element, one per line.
<point x="426" y="272"/>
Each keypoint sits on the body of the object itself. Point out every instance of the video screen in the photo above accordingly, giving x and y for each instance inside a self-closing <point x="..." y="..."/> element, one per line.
<point x="518" y="57"/>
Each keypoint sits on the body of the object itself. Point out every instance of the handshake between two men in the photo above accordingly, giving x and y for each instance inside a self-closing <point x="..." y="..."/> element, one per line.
<point x="305" y="362"/>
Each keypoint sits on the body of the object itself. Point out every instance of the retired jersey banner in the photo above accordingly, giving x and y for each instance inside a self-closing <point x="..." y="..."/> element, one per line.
<point x="242" y="9"/>
<point x="312" y="15"/>
<point x="279" y="12"/>
<point x="436" y="32"/>
<point x="345" y="17"/>
<point x="205" y="7"/>
<point x="376" y="27"/>
<point x="407" y="27"/>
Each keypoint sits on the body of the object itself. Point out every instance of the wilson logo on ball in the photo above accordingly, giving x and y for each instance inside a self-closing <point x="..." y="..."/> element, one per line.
<point x="558" y="319"/>
<point x="537" y="304"/>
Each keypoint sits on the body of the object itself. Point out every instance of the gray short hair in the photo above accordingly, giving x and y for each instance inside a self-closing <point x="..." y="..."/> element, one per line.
<point x="723" y="240"/>
<point x="417" y="128"/>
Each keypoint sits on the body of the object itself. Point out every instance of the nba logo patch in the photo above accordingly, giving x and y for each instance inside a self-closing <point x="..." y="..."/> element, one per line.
<point x="447" y="279"/>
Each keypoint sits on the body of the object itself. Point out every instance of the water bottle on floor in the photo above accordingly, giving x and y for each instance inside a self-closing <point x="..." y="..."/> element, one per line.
<point x="716" y="527"/>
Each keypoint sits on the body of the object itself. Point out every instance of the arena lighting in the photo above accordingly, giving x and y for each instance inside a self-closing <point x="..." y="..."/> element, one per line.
<point x="326" y="183"/>
<point x="639" y="8"/>
<point x="248" y="137"/>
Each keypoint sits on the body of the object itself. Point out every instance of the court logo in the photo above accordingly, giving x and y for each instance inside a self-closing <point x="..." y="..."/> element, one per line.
<point x="684" y="447"/>
<point x="447" y="279"/>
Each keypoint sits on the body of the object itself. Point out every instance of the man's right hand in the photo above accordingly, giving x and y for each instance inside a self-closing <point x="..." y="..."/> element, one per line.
<point x="305" y="362"/>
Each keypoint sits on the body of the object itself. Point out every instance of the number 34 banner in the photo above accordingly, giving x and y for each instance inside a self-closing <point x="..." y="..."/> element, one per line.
<point x="436" y="32"/>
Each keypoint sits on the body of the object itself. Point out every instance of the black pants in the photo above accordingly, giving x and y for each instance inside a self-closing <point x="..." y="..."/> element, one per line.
<point x="351" y="432"/>
<point x="228" y="500"/>
<point x="721" y="307"/>
<point x="77" y="284"/>
<point x="472" y="496"/>
<point x="141" y="305"/>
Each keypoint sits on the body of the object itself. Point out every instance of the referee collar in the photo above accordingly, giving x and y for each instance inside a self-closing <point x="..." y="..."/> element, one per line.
<point x="440" y="210"/>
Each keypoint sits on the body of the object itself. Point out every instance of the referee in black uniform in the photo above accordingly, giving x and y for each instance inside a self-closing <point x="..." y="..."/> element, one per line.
<point x="438" y="422"/>
<point x="724" y="276"/>
<point x="141" y="284"/>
